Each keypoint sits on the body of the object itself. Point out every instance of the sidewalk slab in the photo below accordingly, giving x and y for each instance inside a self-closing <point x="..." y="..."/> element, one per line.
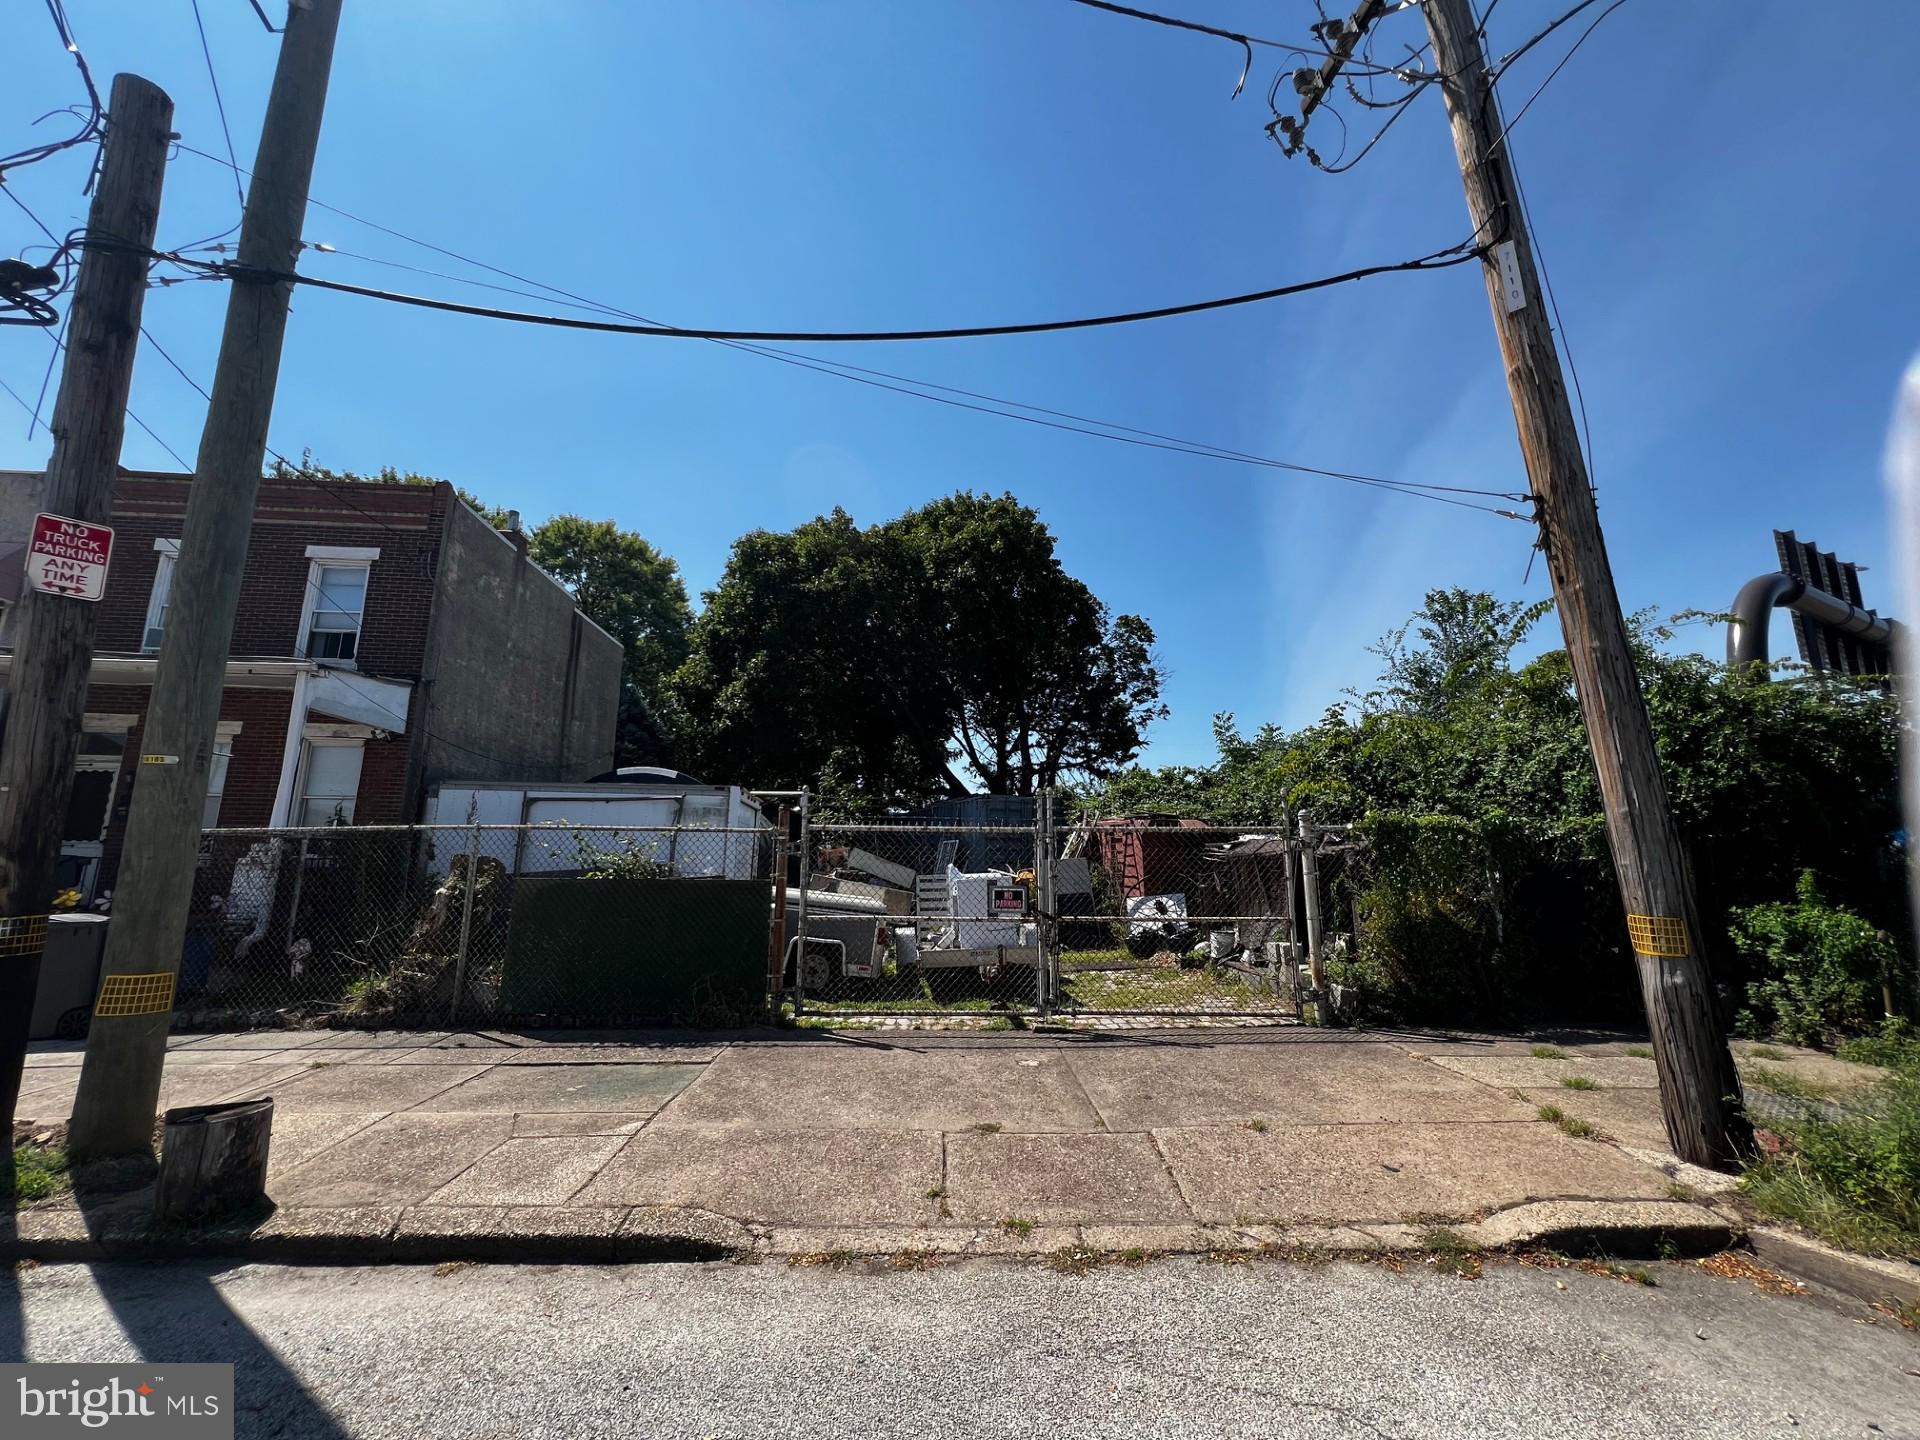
<point x="1348" y="1173"/>
<point x="822" y="1086"/>
<point x="530" y="1172"/>
<point x="776" y="1177"/>
<point x="506" y="1089"/>
<point x="398" y="1161"/>
<point x="1150" y="1087"/>
<point x="1060" y="1179"/>
<point x="614" y="1055"/>
<point x="359" y="1088"/>
<point x="1630" y="1116"/>
<point x="296" y="1139"/>
<point x="1611" y="1072"/>
<point x="537" y="1125"/>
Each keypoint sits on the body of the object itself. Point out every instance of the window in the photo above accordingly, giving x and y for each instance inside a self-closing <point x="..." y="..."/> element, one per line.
<point x="331" y="782"/>
<point x="339" y="601"/>
<point x="162" y="593"/>
<point x="216" y="782"/>
<point x="336" y="602"/>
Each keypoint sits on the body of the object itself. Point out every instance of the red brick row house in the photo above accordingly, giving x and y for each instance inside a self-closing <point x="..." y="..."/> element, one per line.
<point x="388" y="638"/>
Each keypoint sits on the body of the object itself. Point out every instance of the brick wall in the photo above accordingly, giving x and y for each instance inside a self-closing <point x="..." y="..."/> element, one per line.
<point x="252" y="775"/>
<point x="402" y="521"/>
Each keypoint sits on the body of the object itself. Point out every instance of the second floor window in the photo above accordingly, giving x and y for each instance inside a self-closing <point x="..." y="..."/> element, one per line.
<point x="168" y="552"/>
<point x="336" y="604"/>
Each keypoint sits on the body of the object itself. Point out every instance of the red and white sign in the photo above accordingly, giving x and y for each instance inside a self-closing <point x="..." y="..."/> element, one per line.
<point x="69" y="557"/>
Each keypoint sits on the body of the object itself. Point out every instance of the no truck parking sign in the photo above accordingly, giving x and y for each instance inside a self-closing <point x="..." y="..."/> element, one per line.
<point x="69" y="557"/>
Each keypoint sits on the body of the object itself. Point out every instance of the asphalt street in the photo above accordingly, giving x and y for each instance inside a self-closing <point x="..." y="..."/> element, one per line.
<point x="983" y="1348"/>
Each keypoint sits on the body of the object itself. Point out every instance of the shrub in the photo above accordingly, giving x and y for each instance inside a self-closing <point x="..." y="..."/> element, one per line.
<point x="1815" y="969"/>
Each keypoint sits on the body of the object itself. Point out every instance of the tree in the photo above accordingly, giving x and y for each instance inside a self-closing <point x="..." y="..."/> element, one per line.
<point x="880" y="663"/>
<point x="282" y="469"/>
<point x="633" y="592"/>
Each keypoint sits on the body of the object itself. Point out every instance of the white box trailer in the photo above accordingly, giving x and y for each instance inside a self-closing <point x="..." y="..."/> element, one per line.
<point x="658" y="821"/>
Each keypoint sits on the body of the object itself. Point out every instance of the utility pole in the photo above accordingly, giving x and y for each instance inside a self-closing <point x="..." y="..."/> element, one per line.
<point x="1699" y="1087"/>
<point x="120" y="1077"/>
<point x="53" y="634"/>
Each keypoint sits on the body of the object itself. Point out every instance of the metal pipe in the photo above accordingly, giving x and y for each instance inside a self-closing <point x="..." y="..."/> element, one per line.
<point x="1753" y="608"/>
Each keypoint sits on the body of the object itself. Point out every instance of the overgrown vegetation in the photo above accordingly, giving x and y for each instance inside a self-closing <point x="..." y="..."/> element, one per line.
<point x="1487" y="892"/>
<point x="38" y="1171"/>
<point x="1851" y="1174"/>
<point x="1817" y="972"/>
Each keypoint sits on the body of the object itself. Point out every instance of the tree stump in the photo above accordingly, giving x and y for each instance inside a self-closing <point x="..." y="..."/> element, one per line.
<point x="213" y="1159"/>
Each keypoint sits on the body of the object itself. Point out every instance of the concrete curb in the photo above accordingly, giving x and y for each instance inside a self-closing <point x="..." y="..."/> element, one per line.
<point x="1861" y="1277"/>
<point x="580" y="1236"/>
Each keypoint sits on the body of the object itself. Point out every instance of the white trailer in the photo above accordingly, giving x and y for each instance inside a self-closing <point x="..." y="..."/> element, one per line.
<point x="657" y="821"/>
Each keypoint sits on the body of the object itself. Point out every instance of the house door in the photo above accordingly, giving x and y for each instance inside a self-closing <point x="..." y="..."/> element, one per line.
<point x="96" y="778"/>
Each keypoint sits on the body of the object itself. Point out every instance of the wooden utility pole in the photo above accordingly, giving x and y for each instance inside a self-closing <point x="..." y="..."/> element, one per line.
<point x="1699" y="1087"/>
<point x="120" y="1077"/>
<point x="53" y="634"/>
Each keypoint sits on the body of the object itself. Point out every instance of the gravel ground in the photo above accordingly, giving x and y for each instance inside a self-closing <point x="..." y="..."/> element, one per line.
<point x="1172" y="1347"/>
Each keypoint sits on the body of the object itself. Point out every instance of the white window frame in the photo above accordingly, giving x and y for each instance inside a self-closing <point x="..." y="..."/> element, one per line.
<point x="338" y="557"/>
<point x="158" y="598"/>
<point x="307" y="749"/>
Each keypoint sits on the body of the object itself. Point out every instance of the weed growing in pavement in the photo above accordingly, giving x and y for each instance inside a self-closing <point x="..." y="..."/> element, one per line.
<point x="831" y="1259"/>
<point x="938" y="1192"/>
<point x="1591" y="1265"/>
<point x="1451" y="1253"/>
<point x="39" y="1171"/>
<point x="1579" y="1082"/>
<point x="1639" y="1052"/>
<point x="1569" y="1125"/>
<point x="1018" y="1225"/>
<point x="914" y="1260"/>
<point x="1548" y="1052"/>
<point x="1677" y="1191"/>
<point x="1259" y="1127"/>
<point x="987" y="1127"/>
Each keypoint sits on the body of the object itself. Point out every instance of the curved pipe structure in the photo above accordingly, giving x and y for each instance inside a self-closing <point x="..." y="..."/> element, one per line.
<point x="1753" y="607"/>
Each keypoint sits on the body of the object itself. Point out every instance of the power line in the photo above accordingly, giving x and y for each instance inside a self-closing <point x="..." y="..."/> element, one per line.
<point x="90" y="127"/>
<point x="1507" y="127"/>
<point x="1437" y="260"/>
<point x="219" y="104"/>
<point x="844" y="371"/>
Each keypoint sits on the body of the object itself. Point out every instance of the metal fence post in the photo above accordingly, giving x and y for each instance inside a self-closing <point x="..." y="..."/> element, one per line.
<point x="1043" y="879"/>
<point x="1310" y="888"/>
<point x="299" y="880"/>
<point x="466" y="923"/>
<point x="800" y="920"/>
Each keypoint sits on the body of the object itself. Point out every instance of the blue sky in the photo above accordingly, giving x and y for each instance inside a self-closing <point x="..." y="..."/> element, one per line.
<point x="1732" y="254"/>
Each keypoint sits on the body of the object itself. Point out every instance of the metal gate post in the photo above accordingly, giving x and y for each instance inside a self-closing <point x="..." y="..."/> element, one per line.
<point x="466" y="921"/>
<point x="299" y="880"/>
<point x="800" y="920"/>
<point x="1043" y="879"/>
<point x="1310" y="894"/>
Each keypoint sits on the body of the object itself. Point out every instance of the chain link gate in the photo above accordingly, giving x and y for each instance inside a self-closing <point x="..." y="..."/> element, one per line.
<point x="1159" y="917"/>
<point x="1130" y="918"/>
<point x="890" y="918"/>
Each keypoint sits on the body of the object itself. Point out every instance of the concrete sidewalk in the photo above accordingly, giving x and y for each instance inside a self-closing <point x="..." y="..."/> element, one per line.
<point x="493" y="1144"/>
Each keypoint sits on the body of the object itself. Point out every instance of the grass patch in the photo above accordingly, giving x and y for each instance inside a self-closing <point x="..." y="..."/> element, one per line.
<point x="1677" y="1191"/>
<point x="1896" y="1047"/>
<point x="1569" y="1124"/>
<point x="1579" y="1082"/>
<point x="1765" y="1052"/>
<point x="1259" y="1127"/>
<point x="1548" y="1052"/>
<point x="1451" y="1253"/>
<point x="938" y="1192"/>
<point x="1639" y="1052"/>
<point x="1018" y="1225"/>
<point x="1853" y="1179"/>
<point x="1785" y="1082"/>
<point x="1907" y="1312"/>
<point x="39" y="1171"/>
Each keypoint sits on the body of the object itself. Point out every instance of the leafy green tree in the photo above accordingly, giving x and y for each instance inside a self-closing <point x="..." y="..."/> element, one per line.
<point x="633" y="592"/>
<point x="883" y="664"/>
<point x="281" y="469"/>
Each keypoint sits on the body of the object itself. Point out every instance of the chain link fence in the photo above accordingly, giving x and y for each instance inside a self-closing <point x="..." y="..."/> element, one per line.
<point x="1162" y="917"/>
<point x="478" y="924"/>
<point x="896" y="918"/>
